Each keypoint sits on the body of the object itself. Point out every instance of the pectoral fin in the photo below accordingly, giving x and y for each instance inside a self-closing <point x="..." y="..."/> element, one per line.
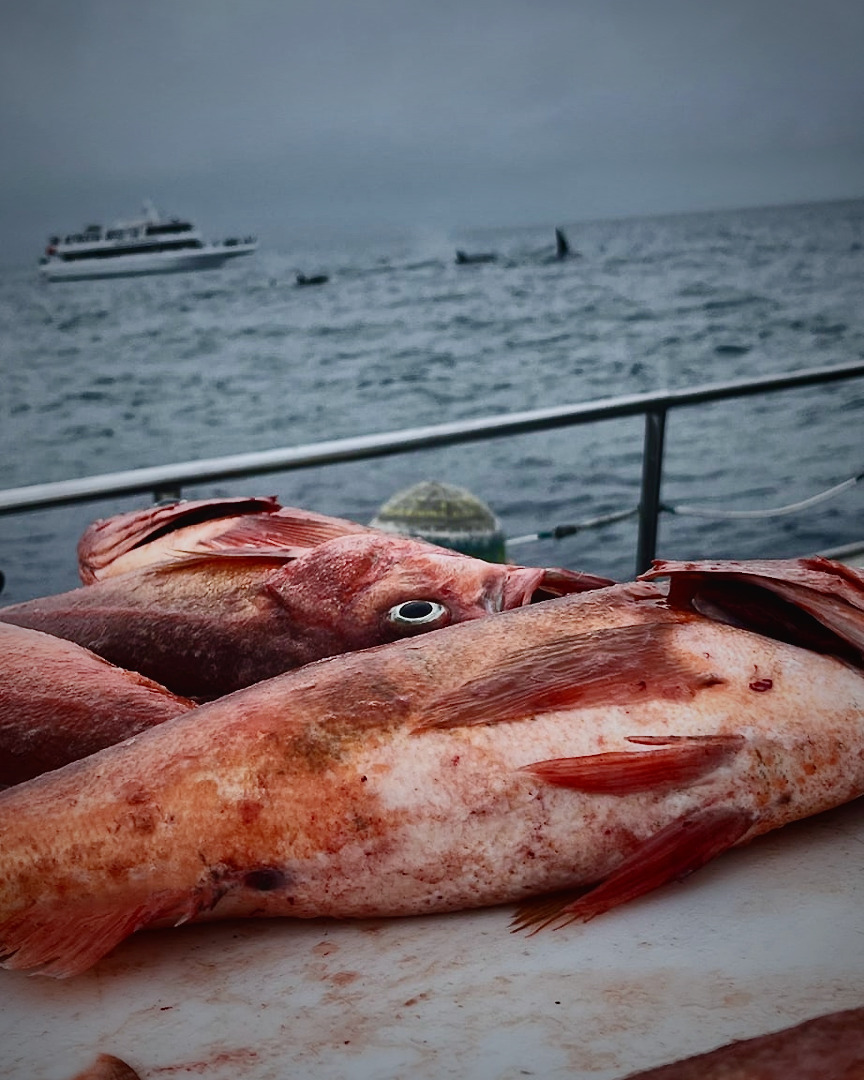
<point x="612" y="666"/>
<point x="671" y="854"/>
<point x="678" y="761"/>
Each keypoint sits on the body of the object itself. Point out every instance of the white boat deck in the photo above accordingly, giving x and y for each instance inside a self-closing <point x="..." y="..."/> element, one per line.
<point x="762" y="938"/>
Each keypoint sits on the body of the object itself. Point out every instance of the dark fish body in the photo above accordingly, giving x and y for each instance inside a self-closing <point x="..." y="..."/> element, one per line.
<point x="200" y="629"/>
<point x="59" y="702"/>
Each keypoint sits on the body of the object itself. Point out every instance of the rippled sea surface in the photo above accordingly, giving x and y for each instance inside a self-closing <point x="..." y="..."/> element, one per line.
<point x="111" y="375"/>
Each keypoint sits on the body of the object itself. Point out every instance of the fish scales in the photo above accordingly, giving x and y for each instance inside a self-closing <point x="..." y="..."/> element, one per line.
<point x="328" y="791"/>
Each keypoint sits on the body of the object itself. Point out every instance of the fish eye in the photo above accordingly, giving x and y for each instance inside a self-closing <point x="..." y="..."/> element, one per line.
<point x="417" y="613"/>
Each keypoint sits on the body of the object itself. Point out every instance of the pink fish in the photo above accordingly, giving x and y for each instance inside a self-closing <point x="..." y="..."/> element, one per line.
<point x="567" y="757"/>
<point x="59" y="702"/>
<point x="264" y="593"/>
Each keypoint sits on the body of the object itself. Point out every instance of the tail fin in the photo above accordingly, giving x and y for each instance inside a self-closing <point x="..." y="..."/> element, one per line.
<point x="63" y="941"/>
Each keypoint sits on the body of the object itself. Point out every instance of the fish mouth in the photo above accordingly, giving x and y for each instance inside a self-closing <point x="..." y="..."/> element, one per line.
<point x="531" y="585"/>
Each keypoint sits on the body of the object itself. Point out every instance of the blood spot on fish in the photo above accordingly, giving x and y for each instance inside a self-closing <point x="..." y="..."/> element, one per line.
<point x="761" y="685"/>
<point x="143" y="820"/>
<point x="133" y="794"/>
<point x="250" y="811"/>
<point x="265" y="879"/>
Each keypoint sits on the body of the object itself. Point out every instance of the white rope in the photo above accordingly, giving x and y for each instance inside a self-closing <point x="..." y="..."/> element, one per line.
<point x="690" y="511"/>
<point x="777" y="511"/>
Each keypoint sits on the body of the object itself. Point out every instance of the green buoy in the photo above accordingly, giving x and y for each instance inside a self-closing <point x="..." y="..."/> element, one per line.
<point x="446" y="515"/>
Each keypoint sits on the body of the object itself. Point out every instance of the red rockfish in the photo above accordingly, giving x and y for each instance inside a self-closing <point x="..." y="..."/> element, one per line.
<point x="267" y="592"/>
<point x="59" y="702"/>
<point x="584" y="751"/>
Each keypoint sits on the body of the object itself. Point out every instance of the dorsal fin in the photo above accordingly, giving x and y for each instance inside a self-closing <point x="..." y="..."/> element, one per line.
<point x="106" y="539"/>
<point x="287" y="529"/>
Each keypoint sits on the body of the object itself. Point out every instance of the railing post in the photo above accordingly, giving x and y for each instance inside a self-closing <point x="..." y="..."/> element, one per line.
<point x="649" y="499"/>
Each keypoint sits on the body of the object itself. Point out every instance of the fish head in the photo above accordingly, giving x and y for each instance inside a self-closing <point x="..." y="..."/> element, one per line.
<point x="368" y="589"/>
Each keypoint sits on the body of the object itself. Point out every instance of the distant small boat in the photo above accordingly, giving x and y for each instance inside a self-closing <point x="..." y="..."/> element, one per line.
<point x="464" y="257"/>
<point x="152" y="244"/>
<point x="312" y="279"/>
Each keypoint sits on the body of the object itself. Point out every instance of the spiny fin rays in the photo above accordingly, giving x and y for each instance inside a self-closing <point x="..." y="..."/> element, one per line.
<point x="671" y="854"/>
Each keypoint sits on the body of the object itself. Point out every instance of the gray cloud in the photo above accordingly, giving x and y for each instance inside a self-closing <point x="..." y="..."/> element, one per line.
<point x="266" y="115"/>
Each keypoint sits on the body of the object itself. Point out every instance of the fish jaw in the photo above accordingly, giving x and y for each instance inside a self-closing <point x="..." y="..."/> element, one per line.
<point x="529" y="585"/>
<point x="812" y="602"/>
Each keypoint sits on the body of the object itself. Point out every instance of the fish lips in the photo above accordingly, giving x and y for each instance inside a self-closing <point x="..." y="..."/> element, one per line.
<point x="530" y="584"/>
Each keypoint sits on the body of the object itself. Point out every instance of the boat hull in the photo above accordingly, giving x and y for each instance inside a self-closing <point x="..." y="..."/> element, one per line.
<point x="209" y="258"/>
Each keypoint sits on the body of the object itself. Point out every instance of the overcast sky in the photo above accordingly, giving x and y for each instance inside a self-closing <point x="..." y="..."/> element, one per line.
<point x="277" y="117"/>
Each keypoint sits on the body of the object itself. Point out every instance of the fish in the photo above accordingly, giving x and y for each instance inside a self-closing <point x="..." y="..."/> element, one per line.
<point x="566" y="757"/>
<point x="60" y="702"/>
<point x="217" y="620"/>
<point x="107" y="1067"/>
<point x="827" y="1047"/>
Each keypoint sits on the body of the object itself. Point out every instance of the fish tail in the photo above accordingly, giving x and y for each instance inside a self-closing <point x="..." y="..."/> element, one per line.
<point x="63" y="940"/>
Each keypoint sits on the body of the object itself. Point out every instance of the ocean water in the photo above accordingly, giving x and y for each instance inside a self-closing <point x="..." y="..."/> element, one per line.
<point x="109" y="375"/>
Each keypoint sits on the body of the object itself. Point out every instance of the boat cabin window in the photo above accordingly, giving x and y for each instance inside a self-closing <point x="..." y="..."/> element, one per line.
<point x="168" y="228"/>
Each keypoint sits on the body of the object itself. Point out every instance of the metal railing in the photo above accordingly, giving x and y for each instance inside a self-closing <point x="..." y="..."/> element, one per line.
<point x="167" y="481"/>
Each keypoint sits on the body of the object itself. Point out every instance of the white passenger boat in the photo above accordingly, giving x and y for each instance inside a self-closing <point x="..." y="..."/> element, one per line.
<point x="153" y="244"/>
